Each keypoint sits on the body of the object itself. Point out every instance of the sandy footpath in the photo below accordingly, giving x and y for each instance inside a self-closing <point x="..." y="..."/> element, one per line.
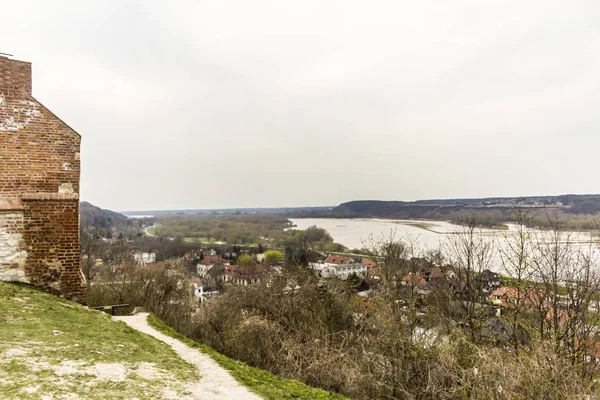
<point x="216" y="382"/>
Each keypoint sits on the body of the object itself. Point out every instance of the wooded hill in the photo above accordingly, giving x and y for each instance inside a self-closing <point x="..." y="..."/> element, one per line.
<point x="575" y="211"/>
<point x="108" y="223"/>
<point x="100" y="218"/>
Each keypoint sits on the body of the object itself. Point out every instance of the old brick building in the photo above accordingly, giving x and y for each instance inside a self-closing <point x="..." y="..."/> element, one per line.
<point x="39" y="189"/>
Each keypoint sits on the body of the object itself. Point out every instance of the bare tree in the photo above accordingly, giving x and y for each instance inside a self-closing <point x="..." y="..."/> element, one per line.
<point x="583" y="293"/>
<point x="517" y="261"/>
<point x="469" y="254"/>
<point x="568" y="309"/>
<point x="391" y="253"/>
<point x="554" y="266"/>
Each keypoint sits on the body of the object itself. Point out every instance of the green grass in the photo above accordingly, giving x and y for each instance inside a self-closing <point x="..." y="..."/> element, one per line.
<point x="53" y="347"/>
<point x="261" y="382"/>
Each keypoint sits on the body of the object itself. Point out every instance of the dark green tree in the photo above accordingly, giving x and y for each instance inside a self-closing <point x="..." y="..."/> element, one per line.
<point x="353" y="281"/>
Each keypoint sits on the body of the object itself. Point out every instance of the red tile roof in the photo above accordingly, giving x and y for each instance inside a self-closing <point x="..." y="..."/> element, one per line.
<point x="503" y="291"/>
<point x="238" y="271"/>
<point x="433" y="273"/>
<point x="414" y="279"/>
<point x="210" y="260"/>
<point x="509" y="295"/>
<point x="368" y="262"/>
<point x="338" y="260"/>
<point x="592" y="348"/>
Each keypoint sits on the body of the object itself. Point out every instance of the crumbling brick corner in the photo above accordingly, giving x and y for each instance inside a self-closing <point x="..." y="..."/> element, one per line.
<point x="39" y="190"/>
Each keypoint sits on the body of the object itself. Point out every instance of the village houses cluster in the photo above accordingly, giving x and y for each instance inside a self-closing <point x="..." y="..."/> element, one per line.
<point x="215" y="269"/>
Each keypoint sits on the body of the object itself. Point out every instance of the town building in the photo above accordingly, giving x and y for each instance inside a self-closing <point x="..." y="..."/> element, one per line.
<point x="340" y="271"/>
<point x="244" y="276"/>
<point x="510" y="297"/>
<point x="490" y="281"/>
<point x="143" y="258"/>
<point x="415" y="282"/>
<point x="338" y="260"/>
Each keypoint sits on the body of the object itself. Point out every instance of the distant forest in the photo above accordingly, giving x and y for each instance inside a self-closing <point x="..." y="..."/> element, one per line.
<point x="581" y="212"/>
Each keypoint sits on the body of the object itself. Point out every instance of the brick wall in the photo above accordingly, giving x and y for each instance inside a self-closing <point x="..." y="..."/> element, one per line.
<point x="38" y="152"/>
<point x="51" y="231"/>
<point x="15" y="74"/>
<point x="39" y="189"/>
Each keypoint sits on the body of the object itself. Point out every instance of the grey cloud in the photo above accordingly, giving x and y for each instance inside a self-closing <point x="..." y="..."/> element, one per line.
<point x="189" y="104"/>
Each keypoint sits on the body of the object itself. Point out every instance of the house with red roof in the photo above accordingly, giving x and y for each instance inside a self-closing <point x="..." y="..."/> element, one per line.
<point x="509" y="296"/>
<point x="368" y="262"/>
<point x="244" y="276"/>
<point x="338" y="260"/>
<point x="414" y="280"/>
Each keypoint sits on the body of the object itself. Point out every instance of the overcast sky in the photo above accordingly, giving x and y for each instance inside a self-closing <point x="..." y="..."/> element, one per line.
<point x="217" y="104"/>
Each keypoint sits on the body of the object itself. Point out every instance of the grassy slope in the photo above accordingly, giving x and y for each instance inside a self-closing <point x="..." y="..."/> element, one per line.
<point x="49" y="346"/>
<point x="262" y="382"/>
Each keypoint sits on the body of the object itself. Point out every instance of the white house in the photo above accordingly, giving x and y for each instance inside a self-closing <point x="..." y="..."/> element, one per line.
<point x="144" y="258"/>
<point x="200" y="293"/>
<point x="341" y="271"/>
<point x="338" y="260"/>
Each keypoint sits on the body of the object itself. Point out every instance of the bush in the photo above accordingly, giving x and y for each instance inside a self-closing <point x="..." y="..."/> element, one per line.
<point x="318" y="331"/>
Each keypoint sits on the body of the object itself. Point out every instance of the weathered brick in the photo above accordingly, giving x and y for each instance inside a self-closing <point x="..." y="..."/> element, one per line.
<point x="39" y="189"/>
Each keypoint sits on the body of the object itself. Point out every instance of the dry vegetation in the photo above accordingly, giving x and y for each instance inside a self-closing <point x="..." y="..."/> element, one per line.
<point x="401" y="344"/>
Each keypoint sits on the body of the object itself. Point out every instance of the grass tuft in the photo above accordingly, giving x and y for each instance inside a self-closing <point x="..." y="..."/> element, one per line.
<point x="52" y="347"/>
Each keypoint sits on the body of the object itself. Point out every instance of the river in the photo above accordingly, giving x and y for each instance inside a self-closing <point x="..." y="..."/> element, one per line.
<point x="356" y="233"/>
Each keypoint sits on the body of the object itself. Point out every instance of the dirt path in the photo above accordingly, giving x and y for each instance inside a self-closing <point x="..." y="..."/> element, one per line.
<point x="216" y="383"/>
